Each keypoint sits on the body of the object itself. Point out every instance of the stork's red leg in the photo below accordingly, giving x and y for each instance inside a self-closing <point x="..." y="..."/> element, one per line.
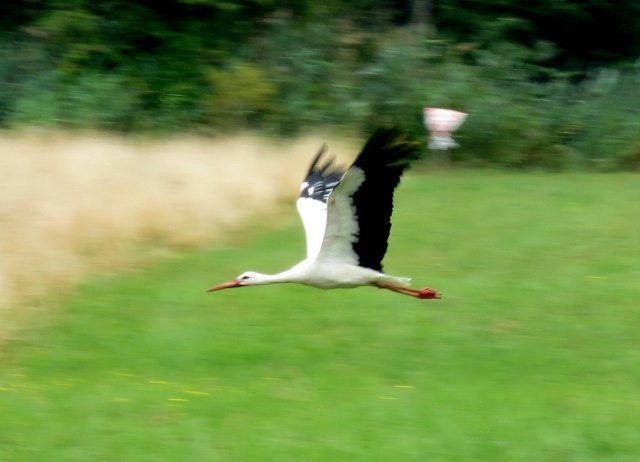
<point x="425" y="293"/>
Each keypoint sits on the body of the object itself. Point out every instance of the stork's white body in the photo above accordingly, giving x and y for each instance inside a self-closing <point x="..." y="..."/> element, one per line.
<point x="346" y="217"/>
<point x="327" y="274"/>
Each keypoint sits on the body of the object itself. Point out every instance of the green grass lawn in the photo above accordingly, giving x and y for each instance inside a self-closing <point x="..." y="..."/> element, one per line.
<point x="533" y="354"/>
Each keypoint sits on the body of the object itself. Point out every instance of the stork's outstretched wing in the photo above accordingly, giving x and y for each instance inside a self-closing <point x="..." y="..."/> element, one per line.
<point x="318" y="184"/>
<point x="359" y="208"/>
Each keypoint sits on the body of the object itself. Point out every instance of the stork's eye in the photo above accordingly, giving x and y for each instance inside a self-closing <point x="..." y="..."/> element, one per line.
<point x="244" y="278"/>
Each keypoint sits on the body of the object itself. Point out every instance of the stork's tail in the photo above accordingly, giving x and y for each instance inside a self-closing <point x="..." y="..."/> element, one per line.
<point x="396" y="281"/>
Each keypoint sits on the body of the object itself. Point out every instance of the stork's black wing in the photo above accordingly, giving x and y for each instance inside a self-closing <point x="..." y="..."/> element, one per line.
<point x="360" y="207"/>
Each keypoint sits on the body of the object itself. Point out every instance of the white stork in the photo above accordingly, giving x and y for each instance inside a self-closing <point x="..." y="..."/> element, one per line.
<point x="347" y="219"/>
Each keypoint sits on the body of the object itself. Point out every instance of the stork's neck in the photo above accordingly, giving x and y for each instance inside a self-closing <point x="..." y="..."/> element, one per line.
<point x="294" y="274"/>
<point x="271" y="278"/>
<point x="290" y="275"/>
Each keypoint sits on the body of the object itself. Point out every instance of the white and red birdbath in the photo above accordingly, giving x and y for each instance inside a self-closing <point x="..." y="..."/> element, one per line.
<point x="441" y="123"/>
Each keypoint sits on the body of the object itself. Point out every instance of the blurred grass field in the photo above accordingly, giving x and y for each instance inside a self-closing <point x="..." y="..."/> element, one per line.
<point x="533" y="354"/>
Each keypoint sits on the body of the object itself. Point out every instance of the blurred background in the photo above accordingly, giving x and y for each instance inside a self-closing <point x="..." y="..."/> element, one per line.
<point x="549" y="83"/>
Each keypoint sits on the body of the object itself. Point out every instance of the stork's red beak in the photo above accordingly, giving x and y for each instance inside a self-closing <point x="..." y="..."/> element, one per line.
<point x="226" y="285"/>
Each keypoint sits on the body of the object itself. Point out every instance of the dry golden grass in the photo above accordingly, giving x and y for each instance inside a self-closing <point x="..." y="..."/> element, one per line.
<point x="75" y="205"/>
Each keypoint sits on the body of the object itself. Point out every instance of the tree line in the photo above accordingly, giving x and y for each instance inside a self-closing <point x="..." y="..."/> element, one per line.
<point x="546" y="83"/>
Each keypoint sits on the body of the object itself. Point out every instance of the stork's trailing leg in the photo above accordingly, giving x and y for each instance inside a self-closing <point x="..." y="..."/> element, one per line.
<point x="425" y="293"/>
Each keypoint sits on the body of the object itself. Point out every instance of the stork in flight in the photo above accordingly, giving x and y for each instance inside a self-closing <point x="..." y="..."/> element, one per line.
<point x="347" y="220"/>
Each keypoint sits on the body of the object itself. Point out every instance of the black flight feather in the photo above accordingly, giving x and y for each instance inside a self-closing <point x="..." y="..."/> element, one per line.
<point x="384" y="158"/>
<point x="321" y="178"/>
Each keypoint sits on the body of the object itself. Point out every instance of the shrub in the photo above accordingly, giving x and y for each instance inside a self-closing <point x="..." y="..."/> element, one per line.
<point x="239" y="96"/>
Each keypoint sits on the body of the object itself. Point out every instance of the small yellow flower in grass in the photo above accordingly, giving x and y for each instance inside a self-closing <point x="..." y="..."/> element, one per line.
<point x="178" y="400"/>
<point x="158" y="382"/>
<point x="405" y="386"/>
<point x="389" y="398"/>
<point x="7" y="389"/>
<point x="196" y="392"/>
<point x="121" y="374"/>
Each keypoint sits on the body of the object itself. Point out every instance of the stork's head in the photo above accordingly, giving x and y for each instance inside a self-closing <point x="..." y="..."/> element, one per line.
<point x="248" y="278"/>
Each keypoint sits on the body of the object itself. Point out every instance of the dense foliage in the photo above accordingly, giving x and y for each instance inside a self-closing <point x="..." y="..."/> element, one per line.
<point x="549" y="83"/>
